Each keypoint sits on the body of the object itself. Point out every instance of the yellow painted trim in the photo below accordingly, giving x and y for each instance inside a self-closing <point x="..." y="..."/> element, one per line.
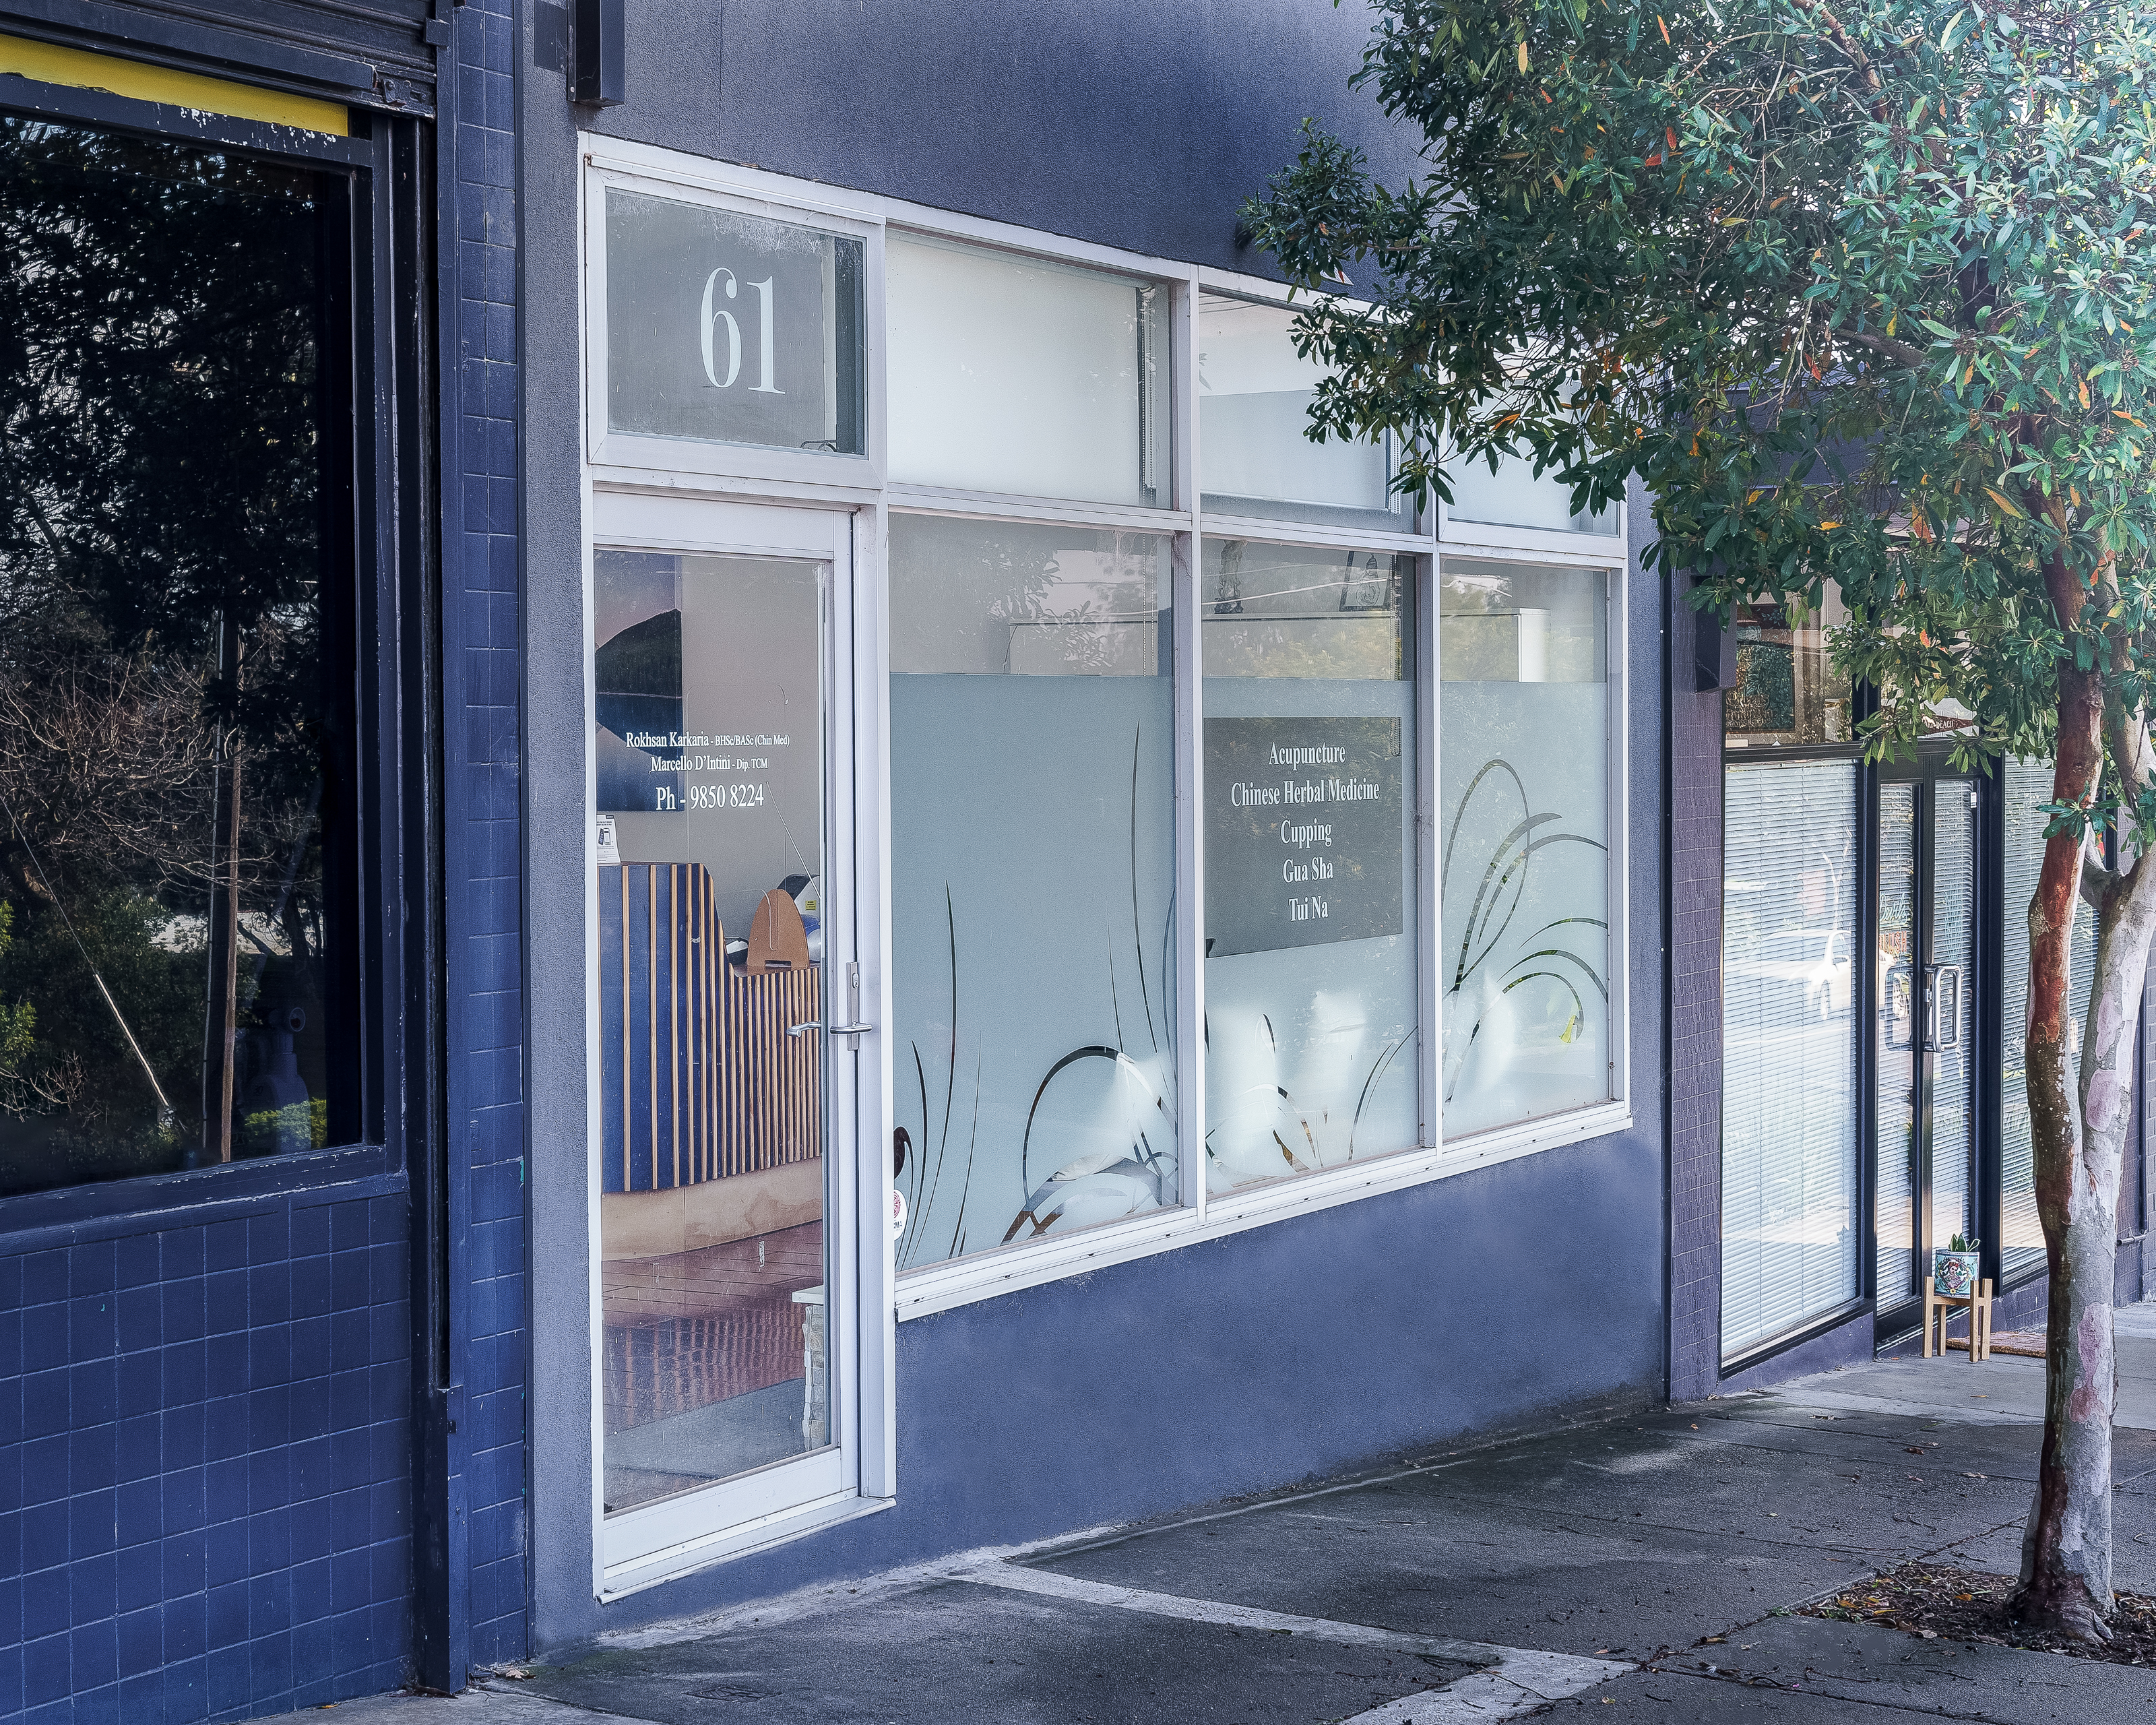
<point x="48" y="63"/>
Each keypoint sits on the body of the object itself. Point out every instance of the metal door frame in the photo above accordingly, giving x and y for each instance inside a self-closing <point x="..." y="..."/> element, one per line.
<point x="1926" y="774"/>
<point x="650" y="1544"/>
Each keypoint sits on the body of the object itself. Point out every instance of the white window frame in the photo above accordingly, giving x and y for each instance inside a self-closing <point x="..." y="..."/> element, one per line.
<point x="735" y="471"/>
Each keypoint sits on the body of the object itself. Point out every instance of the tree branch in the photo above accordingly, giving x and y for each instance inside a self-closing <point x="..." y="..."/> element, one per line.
<point x="1901" y="353"/>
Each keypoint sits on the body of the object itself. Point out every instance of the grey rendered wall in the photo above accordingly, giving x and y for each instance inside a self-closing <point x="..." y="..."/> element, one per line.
<point x="1695" y="1081"/>
<point x="1396" y="1324"/>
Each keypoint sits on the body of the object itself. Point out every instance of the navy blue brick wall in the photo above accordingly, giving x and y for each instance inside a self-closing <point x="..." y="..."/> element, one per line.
<point x="486" y="883"/>
<point x="205" y="1482"/>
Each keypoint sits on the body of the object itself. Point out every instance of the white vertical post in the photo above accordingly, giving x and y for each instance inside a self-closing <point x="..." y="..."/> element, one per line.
<point x="1429" y="863"/>
<point x="1188" y="697"/>
<point x="871" y="795"/>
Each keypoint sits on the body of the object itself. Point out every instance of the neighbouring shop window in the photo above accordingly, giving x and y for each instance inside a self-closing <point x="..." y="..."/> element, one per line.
<point x="729" y="328"/>
<point x="1515" y="496"/>
<point x="2026" y="786"/>
<point x="1523" y="954"/>
<point x="1032" y="890"/>
<point x="178" y="885"/>
<point x="1309" y="820"/>
<point x="1254" y="396"/>
<point x="1787" y="691"/>
<point x="1015" y="374"/>
<point x="1789" y="1089"/>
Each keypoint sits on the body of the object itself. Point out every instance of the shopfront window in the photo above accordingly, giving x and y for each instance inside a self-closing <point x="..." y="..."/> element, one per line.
<point x="1525" y="970"/>
<point x="178" y="880"/>
<point x="1789" y="955"/>
<point x="1254" y="456"/>
<point x="1516" y="496"/>
<point x="1309" y="813"/>
<point x="1032" y="875"/>
<point x="1015" y="374"/>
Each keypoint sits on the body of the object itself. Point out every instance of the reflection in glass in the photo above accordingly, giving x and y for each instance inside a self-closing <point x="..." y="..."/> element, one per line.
<point x="1014" y="374"/>
<point x="1033" y="859"/>
<point x="1787" y="690"/>
<point x="177" y="860"/>
<point x="1254" y="396"/>
<point x="707" y="678"/>
<point x="1524" y="955"/>
<point x="2026" y="786"/>
<point x="1900" y="1008"/>
<point x="1789" y="1048"/>
<point x="1310" y="932"/>
<point x="1515" y="496"/>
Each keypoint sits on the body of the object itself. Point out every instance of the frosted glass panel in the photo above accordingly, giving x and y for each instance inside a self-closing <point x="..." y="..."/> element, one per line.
<point x="1309" y="813"/>
<point x="1033" y="870"/>
<point x="1253" y="395"/>
<point x="1789" y="1089"/>
<point x="2027" y="786"/>
<point x="1010" y="374"/>
<point x="1524" y="794"/>
<point x="1514" y="497"/>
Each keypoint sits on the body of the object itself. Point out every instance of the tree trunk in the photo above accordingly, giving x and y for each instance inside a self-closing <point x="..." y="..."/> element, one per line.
<point x="2079" y="1132"/>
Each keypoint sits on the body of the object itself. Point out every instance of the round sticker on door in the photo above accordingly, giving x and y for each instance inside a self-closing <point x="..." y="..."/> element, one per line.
<point x="897" y="1213"/>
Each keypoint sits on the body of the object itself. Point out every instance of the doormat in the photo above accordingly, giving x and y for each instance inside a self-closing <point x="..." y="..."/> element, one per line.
<point x="2028" y="1344"/>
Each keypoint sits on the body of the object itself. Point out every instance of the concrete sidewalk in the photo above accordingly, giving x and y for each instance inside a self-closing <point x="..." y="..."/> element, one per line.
<point x="1533" y="1578"/>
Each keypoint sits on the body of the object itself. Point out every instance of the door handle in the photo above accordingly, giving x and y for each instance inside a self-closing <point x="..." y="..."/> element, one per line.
<point x="1898" y="1008"/>
<point x="848" y="1031"/>
<point x="1936" y="1018"/>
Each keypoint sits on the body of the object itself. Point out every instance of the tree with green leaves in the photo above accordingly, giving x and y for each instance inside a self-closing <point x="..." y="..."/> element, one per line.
<point x="1863" y="295"/>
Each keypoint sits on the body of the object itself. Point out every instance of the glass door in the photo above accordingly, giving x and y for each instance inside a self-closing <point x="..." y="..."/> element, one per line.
<point x="1925" y="1066"/>
<point x="728" y="1022"/>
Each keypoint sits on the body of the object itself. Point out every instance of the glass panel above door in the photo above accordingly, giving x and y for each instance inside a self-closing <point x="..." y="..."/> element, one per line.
<point x="709" y="744"/>
<point x="1787" y="691"/>
<point x="1254" y="397"/>
<point x="1014" y="374"/>
<point x="730" y="328"/>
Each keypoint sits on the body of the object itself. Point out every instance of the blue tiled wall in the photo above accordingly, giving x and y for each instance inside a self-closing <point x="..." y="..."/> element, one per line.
<point x="205" y="1480"/>
<point x="485" y="877"/>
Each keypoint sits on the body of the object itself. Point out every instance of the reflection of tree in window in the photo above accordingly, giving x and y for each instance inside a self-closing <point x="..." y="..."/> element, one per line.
<point x="174" y="847"/>
<point x="1788" y="689"/>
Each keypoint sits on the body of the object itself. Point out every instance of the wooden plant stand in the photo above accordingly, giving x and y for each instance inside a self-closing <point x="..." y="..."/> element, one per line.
<point x="1978" y="1307"/>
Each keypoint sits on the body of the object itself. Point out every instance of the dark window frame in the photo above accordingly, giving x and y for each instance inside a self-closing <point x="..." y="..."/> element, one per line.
<point x="393" y="528"/>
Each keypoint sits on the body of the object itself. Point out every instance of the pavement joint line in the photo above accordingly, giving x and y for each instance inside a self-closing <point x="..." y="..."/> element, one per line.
<point x="1509" y="1681"/>
<point x="1051" y="1550"/>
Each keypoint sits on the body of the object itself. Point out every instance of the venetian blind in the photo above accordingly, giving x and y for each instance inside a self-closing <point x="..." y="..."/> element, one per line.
<point x="1789" y="1107"/>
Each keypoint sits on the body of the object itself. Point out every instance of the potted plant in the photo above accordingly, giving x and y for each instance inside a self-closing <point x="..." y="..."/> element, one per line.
<point x="1954" y="1269"/>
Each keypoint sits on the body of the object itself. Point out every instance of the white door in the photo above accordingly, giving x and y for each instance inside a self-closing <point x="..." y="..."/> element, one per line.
<point x="727" y="1185"/>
